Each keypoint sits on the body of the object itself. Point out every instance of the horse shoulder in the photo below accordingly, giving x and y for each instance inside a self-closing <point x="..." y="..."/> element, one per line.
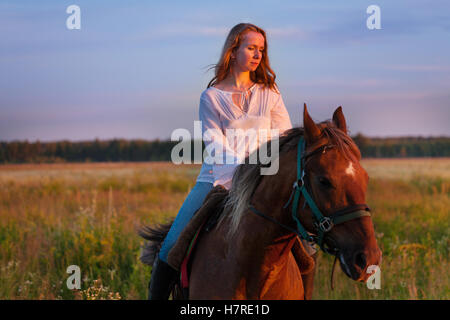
<point x="283" y="280"/>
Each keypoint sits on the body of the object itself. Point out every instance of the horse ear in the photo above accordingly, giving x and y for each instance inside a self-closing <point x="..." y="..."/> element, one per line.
<point x="339" y="119"/>
<point x="312" y="131"/>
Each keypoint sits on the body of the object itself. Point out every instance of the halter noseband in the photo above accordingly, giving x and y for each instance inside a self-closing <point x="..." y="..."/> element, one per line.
<point x="322" y="223"/>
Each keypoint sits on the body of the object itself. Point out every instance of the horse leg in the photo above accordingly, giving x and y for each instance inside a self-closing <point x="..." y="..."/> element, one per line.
<point x="308" y="280"/>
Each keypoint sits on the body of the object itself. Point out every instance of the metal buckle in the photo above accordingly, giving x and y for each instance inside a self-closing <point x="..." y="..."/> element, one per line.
<point x="297" y="185"/>
<point x="325" y="224"/>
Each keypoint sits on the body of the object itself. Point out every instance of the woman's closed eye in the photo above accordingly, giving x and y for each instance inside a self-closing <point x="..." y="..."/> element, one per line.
<point x="253" y="48"/>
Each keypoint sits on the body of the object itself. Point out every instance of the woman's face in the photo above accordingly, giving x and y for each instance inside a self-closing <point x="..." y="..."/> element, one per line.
<point x="249" y="54"/>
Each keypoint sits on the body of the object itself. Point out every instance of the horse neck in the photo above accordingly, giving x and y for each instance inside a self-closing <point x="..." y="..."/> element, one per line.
<point x="255" y="231"/>
<point x="262" y="250"/>
<point x="261" y="244"/>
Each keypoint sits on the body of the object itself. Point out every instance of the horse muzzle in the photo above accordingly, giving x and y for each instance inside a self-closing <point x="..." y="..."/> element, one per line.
<point x="355" y="264"/>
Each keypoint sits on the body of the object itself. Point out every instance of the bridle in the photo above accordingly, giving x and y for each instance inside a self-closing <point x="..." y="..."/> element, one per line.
<point x="323" y="224"/>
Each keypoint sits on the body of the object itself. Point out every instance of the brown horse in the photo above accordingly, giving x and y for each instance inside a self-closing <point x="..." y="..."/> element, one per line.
<point x="249" y="256"/>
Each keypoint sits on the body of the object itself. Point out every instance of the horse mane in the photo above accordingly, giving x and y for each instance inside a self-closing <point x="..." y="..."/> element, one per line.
<point x="248" y="176"/>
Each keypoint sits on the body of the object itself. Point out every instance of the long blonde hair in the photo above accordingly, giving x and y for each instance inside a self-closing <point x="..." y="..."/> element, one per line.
<point x="263" y="74"/>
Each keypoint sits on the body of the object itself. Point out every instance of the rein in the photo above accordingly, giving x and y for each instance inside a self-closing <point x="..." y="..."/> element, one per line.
<point x="323" y="224"/>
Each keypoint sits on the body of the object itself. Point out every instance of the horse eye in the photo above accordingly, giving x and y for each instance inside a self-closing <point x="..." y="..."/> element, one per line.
<point x="325" y="182"/>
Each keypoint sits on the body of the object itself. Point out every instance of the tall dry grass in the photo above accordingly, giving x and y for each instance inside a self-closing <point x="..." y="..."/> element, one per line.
<point x="53" y="216"/>
<point x="410" y="205"/>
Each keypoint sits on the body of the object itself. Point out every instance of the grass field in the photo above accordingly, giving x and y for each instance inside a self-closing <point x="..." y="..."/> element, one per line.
<point x="53" y="216"/>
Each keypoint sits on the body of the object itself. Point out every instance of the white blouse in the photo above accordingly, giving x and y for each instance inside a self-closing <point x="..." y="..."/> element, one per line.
<point x="265" y="110"/>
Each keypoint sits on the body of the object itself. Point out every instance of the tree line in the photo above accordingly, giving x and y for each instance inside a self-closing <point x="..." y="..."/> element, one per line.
<point x="156" y="150"/>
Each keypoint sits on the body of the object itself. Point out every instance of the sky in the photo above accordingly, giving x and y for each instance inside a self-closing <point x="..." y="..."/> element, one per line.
<point x="136" y="69"/>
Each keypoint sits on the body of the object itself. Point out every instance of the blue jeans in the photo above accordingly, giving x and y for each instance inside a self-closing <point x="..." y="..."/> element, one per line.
<point x="193" y="202"/>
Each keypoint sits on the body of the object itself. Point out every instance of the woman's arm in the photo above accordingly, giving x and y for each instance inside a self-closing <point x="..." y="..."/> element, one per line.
<point x="279" y="116"/>
<point x="224" y="159"/>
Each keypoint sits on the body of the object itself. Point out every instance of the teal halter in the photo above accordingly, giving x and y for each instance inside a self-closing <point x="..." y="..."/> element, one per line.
<point x="322" y="223"/>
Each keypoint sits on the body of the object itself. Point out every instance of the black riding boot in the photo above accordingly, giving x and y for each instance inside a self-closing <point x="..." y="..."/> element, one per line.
<point x="162" y="280"/>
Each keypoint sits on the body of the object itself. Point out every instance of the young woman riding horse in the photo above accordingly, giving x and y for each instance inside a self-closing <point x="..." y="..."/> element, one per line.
<point x="242" y="95"/>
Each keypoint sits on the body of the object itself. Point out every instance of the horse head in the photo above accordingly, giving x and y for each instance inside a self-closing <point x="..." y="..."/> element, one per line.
<point x="337" y="184"/>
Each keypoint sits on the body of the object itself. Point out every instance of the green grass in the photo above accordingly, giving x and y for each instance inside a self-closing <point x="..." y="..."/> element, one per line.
<point x="86" y="215"/>
<point x="411" y="221"/>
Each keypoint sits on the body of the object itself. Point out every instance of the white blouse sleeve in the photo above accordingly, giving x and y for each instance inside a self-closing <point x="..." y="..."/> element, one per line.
<point x="279" y="116"/>
<point x="217" y="143"/>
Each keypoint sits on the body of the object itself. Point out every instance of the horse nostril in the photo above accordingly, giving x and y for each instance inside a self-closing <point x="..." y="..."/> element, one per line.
<point x="360" y="260"/>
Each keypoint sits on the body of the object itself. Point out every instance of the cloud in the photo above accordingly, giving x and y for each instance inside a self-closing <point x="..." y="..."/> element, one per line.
<point x="340" y="82"/>
<point x="348" y="26"/>
<point x="180" y="30"/>
<point x="287" y="31"/>
<point x="187" y="30"/>
<point x="418" y="68"/>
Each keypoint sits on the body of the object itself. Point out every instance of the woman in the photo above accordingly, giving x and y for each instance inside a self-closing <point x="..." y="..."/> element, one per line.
<point x="242" y="95"/>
